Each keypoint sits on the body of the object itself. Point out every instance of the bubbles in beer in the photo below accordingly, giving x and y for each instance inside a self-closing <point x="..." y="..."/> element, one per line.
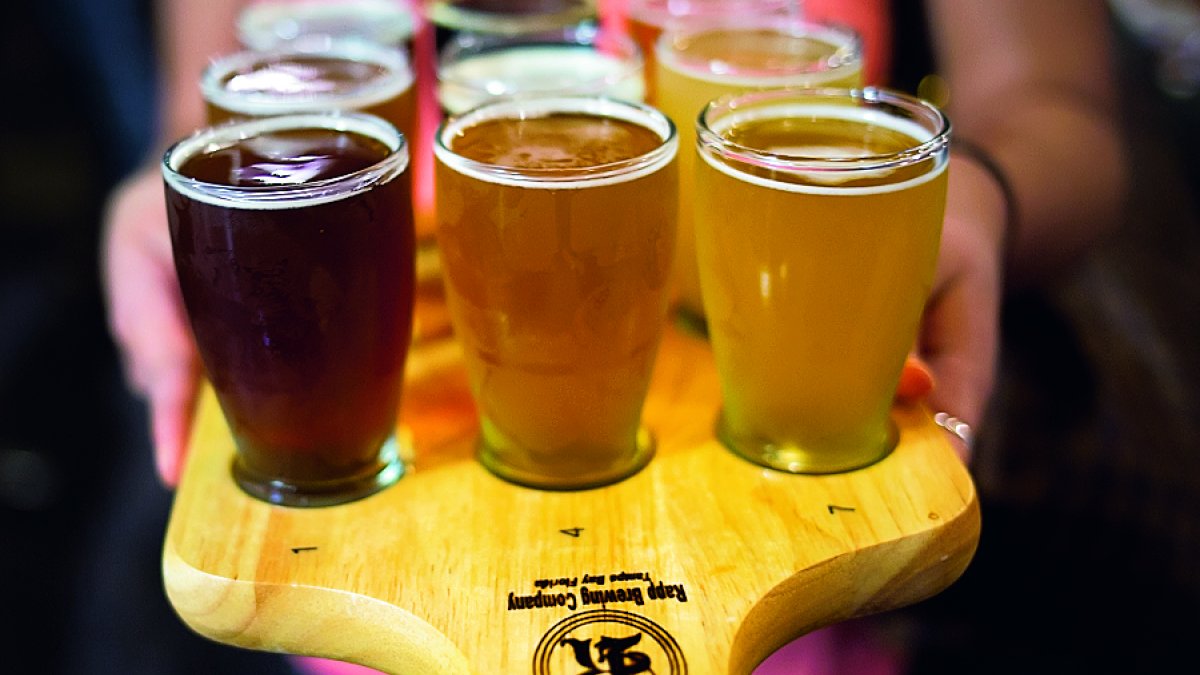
<point x="556" y="226"/>
<point x="559" y="141"/>
<point x="759" y="51"/>
<point x="810" y="135"/>
<point x="285" y="158"/>
<point x="835" y="138"/>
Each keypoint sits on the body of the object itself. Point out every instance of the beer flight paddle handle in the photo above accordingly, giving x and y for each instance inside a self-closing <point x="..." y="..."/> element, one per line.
<point x="700" y="563"/>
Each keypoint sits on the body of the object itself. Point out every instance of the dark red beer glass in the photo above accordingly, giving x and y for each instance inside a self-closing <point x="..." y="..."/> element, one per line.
<point x="293" y="243"/>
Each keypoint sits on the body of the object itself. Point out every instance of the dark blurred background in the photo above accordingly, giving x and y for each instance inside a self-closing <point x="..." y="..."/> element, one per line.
<point x="77" y="115"/>
<point x="1089" y="468"/>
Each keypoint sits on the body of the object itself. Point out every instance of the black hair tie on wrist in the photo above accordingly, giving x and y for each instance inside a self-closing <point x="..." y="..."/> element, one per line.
<point x="984" y="159"/>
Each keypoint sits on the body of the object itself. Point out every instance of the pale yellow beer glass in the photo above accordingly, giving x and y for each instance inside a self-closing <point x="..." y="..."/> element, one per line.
<point x="580" y="60"/>
<point x="556" y="225"/>
<point x="696" y="63"/>
<point x="647" y="19"/>
<point x="818" y="220"/>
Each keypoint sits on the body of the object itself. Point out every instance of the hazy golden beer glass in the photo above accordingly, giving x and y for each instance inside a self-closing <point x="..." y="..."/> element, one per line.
<point x="556" y="224"/>
<point x="647" y="19"/>
<point x="818" y="219"/>
<point x="270" y="24"/>
<point x="696" y="65"/>
<point x="313" y="75"/>
<point x="583" y="60"/>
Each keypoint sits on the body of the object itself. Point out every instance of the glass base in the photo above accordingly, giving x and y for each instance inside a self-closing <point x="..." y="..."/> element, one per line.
<point x="324" y="493"/>
<point x="797" y="459"/>
<point x="643" y="451"/>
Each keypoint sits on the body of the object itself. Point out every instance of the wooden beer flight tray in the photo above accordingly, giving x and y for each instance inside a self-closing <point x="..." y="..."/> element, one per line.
<point x="701" y="563"/>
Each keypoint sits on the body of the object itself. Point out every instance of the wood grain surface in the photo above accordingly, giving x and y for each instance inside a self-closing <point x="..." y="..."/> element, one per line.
<point x="701" y="563"/>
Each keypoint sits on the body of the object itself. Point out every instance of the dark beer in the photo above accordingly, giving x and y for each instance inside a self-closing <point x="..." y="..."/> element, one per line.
<point x="293" y="242"/>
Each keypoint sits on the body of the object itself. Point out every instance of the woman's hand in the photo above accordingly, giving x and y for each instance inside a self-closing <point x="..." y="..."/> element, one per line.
<point x="959" y="336"/>
<point x="146" y="314"/>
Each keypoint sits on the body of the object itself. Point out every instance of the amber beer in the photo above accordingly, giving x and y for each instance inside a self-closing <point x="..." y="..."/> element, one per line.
<point x="312" y="76"/>
<point x="697" y="64"/>
<point x="556" y="223"/>
<point x="293" y="243"/>
<point x="818" y="218"/>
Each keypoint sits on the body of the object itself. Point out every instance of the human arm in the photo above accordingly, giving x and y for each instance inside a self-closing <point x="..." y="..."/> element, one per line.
<point x="1031" y="90"/>
<point x="145" y="309"/>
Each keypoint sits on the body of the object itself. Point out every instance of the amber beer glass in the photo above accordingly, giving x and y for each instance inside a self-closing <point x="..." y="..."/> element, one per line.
<point x="313" y="75"/>
<point x="293" y="242"/>
<point x="556" y="223"/>
<point x="699" y="62"/>
<point x="818" y="219"/>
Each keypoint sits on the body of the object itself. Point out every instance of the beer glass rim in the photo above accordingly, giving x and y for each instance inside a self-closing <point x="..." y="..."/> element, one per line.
<point x="291" y="195"/>
<point x="397" y="79"/>
<point x="477" y="20"/>
<point x="278" y="21"/>
<point x="659" y="12"/>
<point x="886" y="104"/>
<point x="847" y="55"/>
<point x="525" y="107"/>
<point x="466" y="46"/>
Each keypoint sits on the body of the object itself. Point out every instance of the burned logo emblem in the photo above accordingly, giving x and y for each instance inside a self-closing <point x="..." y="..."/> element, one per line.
<point x="607" y="641"/>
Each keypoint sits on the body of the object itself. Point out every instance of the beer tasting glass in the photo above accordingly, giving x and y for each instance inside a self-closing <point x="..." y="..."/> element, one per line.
<point x="271" y="24"/>
<point x="505" y="17"/>
<point x="647" y="19"/>
<point x="293" y="243"/>
<point x="474" y="68"/>
<point x="312" y="75"/>
<point x="698" y="63"/>
<point x="818" y="220"/>
<point x="268" y="25"/>
<point x="556" y="223"/>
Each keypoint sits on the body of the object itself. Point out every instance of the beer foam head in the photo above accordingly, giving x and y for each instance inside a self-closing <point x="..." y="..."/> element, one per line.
<point x="291" y="190"/>
<point x="817" y="167"/>
<point x="586" y="159"/>
<point x="308" y="75"/>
